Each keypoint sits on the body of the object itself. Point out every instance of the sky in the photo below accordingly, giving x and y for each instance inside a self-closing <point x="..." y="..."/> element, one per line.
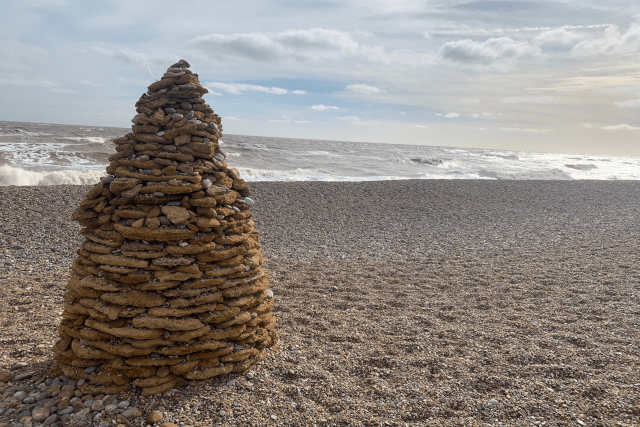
<point x="546" y="76"/>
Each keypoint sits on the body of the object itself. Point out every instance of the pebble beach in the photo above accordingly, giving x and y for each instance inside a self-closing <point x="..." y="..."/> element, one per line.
<point x="414" y="302"/>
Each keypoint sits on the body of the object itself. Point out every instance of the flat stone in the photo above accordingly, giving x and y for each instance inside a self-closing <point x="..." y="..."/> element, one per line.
<point x="20" y="394"/>
<point x="186" y="105"/>
<point x="65" y="411"/>
<point x="158" y="194"/>
<point x="189" y="115"/>
<point x="89" y="403"/>
<point x="123" y="405"/>
<point x="131" y="412"/>
<point x="29" y="400"/>
<point x="169" y="110"/>
<point x="249" y="201"/>
<point x="176" y="117"/>
<point x="50" y="420"/>
<point x="98" y="406"/>
<point x="169" y="147"/>
<point x="154" y="417"/>
<point x="104" y="424"/>
<point x="40" y="414"/>
<point x="43" y="395"/>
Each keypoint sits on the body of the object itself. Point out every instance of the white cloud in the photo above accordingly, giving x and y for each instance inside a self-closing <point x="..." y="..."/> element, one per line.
<point x="137" y="82"/>
<point x="475" y="115"/>
<point x="301" y="121"/>
<point x="521" y="100"/>
<point x="324" y="107"/>
<point x="481" y="128"/>
<point x="284" y="116"/>
<point x="350" y="118"/>
<point x="280" y="121"/>
<point x="498" y="53"/>
<point x="238" y="88"/>
<point x="364" y="89"/>
<point x="20" y="80"/>
<point x="90" y="83"/>
<point x="629" y="103"/>
<point x="620" y="127"/>
<point x="439" y="114"/>
<point x="299" y="92"/>
<point x="527" y="130"/>
<point x="421" y="126"/>
<point x="558" y="36"/>
<point x="64" y="91"/>
<point x="452" y="115"/>
<point x="402" y="112"/>
<point x="587" y="125"/>
<point x="231" y="118"/>
<point x="470" y="101"/>
<point x="129" y="56"/>
<point x="612" y="42"/>
<point x="300" y="45"/>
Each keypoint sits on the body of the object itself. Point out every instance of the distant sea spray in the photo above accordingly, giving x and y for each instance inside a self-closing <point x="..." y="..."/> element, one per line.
<point x="46" y="154"/>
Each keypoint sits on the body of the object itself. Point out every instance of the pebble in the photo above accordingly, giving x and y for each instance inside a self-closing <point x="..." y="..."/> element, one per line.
<point x="50" y="420"/>
<point x="144" y="158"/>
<point x="104" y="424"/>
<point x="219" y="158"/>
<point x="125" y="403"/>
<point x="493" y="402"/>
<point x="29" y="400"/>
<point x="222" y="413"/>
<point x="186" y="105"/>
<point x="190" y="115"/>
<point x="169" y="147"/>
<point x="154" y="417"/>
<point x="97" y="406"/>
<point x="110" y="409"/>
<point x="183" y="244"/>
<point x="269" y="293"/>
<point x="173" y="203"/>
<point x="206" y="183"/>
<point x="128" y="413"/>
<point x="164" y="220"/>
<point x="274" y="417"/>
<point x="249" y="201"/>
<point x="158" y="194"/>
<point x="161" y="133"/>
<point x="169" y="110"/>
<point x="19" y="394"/>
<point x="90" y="370"/>
<point x="181" y="226"/>
<point x="106" y="180"/>
<point x="174" y="70"/>
<point x="176" y="117"/>
<point x="40" y="414"/>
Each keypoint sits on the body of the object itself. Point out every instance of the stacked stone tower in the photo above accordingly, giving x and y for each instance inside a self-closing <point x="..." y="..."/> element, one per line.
<point x="168" y="286"/>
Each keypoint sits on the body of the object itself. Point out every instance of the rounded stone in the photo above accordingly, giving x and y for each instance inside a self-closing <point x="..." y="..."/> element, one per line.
<point x="123" y="405"/>
<point x="158" y="194"/>
<point x="206" y="183"/>
<point x="143" y="158"/>
<point x="169" y="110"/>
<point x="98" y="406"/>
<point x="105" y="180"/>
<point x="169" y="147"/>
<point x="29" y="400"/>
<point x="154" y="417"/>
<point x="161" y="133"/>
<point x="186" y="105"/>
<point x="176" y="117"/>
<point x="249" y="201"/>
<point x="190" y="115"/>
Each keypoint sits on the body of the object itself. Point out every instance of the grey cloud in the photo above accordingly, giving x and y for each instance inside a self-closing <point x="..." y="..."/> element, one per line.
<point x="499" y="6"/>
<point x="498" y="52"/>
<point x="268" y="47"/>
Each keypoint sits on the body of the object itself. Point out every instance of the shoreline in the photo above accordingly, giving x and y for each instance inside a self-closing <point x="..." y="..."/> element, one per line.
<point x="418" y="302"/>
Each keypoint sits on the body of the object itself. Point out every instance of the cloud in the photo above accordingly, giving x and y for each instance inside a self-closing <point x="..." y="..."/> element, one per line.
<point x="301" y="121"/>
<point x="439" y="114"/>
<point x="281" y="121"/>
<point x="521" y="100"/>
<point x="421" y="126"/>
<point x="498" y="53"/>
<point x="324" y="107"/>
<point x="558" y="36"/>
<point x="231" y="118"/>
<point x="348" y="118"/>
<point x="527" y="130"/>
<point x="299" y="92"/>
<point x="90" y="83"/>
<point x="452" y="115"/>
<point x="64" y="91"/>
<point x="238" y="88"/>
<point x="612" y="42"/>
<point x="629" y="103"/>
<point x="620" y="127"/>
<point x="129" y="56"/>
<point x="362" y="88"/>
<point x="299" y="45"/>
<point x="470" y="101"/>
<point x="137" y="82"/>
<point x="587" y="125"/>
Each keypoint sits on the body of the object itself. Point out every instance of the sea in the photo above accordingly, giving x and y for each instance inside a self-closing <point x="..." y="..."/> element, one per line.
<point x="54" y="154"/>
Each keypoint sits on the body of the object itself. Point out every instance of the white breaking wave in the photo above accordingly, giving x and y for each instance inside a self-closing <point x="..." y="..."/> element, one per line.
<point x="16" y="176"/>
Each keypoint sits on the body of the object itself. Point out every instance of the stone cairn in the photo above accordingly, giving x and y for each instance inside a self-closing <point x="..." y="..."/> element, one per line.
<point x="168" y="286"/>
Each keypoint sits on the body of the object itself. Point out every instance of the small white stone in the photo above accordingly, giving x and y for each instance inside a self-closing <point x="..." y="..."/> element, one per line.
<point x="222" y="412"/>
<point x="274" y="417"/>
<point x="269" y="293"/>
<point x="183" y="244"/>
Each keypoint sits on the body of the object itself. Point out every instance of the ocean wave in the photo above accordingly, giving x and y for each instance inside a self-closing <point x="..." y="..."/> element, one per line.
<point x="10" y="175"/>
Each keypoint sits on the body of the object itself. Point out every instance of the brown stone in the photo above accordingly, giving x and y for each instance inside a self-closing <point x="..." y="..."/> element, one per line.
<point x="154" y="417"/>
<point x="176" y="214"/>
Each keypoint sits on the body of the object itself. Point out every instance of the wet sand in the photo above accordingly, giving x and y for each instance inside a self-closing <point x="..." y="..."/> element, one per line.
<point x="398" y="303"/>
